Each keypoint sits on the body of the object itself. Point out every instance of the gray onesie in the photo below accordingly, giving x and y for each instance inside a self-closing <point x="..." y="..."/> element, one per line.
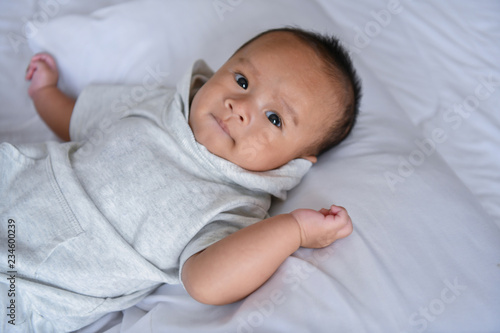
<point x="97" y="223"/>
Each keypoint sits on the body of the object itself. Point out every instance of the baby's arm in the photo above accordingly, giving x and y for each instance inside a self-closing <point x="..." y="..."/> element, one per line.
<point x="237" y="265"/>
<point x="53" y="106"/>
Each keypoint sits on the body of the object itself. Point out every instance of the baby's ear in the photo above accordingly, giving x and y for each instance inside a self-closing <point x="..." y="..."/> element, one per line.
<point x="313" y="159"/>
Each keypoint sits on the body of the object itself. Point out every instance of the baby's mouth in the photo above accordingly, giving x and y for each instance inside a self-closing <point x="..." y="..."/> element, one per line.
<point x="223" y="126"/>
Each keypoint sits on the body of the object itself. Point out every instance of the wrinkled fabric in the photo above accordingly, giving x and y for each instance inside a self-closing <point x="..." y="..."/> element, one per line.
<point x="103" y="220"/>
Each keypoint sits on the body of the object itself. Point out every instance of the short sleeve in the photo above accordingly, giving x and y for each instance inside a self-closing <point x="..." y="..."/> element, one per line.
<point x="222" y="226"/>
<point x="99" y="106"/>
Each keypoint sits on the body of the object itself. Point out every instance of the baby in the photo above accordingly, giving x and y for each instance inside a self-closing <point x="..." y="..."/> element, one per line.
<point x="175" y="188"/>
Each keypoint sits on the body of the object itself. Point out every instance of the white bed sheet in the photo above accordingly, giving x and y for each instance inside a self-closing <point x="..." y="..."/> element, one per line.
<point x="447" y="60"/>
<point x="425" y="252"/>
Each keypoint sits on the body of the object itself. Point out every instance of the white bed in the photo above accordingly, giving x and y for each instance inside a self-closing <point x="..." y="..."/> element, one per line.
<point x="420" y="174"/>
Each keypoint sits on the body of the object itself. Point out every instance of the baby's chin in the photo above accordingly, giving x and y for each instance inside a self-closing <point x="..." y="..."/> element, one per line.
<point x="249" y="163"/>
<point x="256" y="165"/>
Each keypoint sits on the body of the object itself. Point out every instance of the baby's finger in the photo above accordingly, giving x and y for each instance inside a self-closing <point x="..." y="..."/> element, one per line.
<point x="336" y="210"/>
<point x="30" y="70"/>
<point x="47" y="58"/>
<point x="346" y="230"/>
<point x="37" y="57"/>
<point x="324" y="211"/>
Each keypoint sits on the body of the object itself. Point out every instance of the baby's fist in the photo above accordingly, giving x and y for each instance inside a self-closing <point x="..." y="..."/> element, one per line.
<point x="321" y="228"/>
<point x="42" y="72"/>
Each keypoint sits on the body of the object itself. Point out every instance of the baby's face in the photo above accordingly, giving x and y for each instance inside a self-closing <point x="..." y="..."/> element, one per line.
<point x="265" y="105"/>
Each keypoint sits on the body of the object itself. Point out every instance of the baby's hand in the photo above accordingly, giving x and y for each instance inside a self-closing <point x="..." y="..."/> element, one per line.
<point x="321" y="228"/>
<point x="42" y="72"/>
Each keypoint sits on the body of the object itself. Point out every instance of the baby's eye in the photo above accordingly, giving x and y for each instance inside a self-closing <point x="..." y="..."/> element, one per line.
<point x="241" y="80"/>
<point x="273" y="118"/>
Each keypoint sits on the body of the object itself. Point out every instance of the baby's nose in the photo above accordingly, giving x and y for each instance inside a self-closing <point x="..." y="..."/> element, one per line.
<point x="238" y="109"/>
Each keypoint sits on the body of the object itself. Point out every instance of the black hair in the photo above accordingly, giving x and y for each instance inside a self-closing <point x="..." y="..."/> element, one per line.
<point x="338" y="65"/>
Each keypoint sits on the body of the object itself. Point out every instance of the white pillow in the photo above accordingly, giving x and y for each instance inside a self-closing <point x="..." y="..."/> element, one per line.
<point x="153" y="42"/>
